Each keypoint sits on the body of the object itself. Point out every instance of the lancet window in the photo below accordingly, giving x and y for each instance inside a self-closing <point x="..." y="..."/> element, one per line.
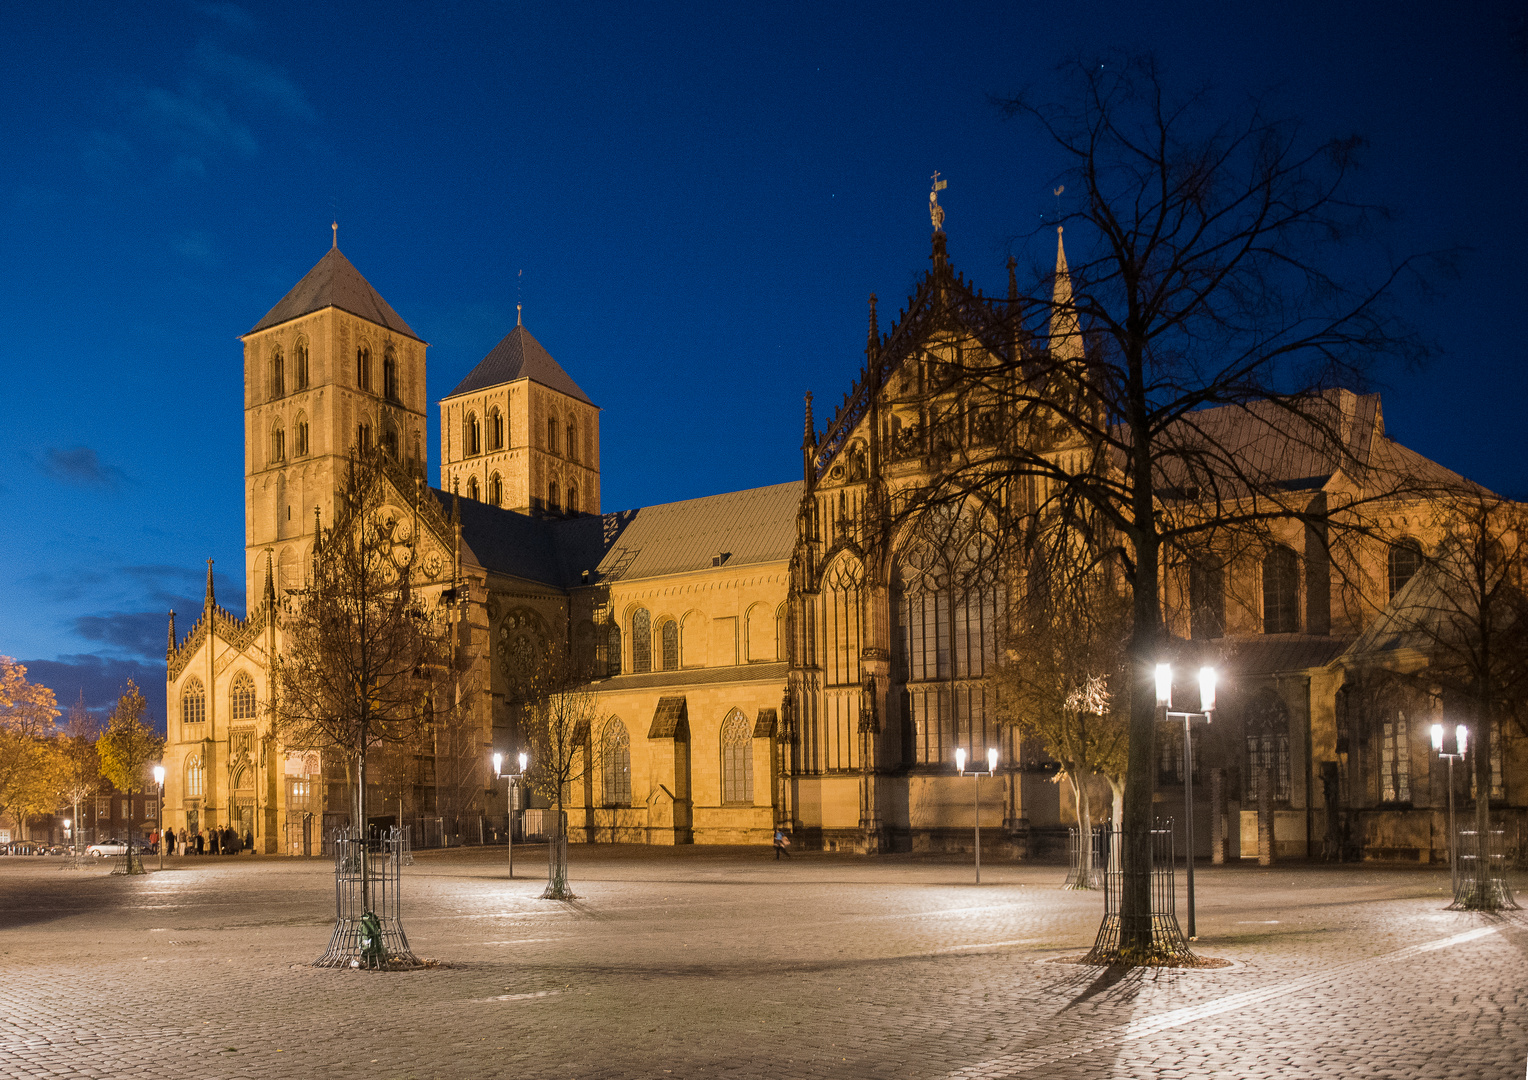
<point x="495" y="429"/>
<point x="615" y="761"/>
<point x="1405" y="560"/>
<point x="300" y="354"/>
<point x="737" y="758"/>
<point x="669" y="636"/>
<point x="641" y="640"/>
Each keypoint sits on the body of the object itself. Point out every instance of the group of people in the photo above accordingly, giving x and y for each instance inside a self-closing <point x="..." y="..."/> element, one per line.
<point x="224" y="841"/>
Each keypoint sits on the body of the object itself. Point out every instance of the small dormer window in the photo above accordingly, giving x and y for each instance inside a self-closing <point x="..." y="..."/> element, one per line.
<point x="720" y="558"/>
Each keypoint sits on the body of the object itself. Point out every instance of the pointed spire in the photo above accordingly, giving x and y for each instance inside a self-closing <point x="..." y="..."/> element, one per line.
<point x="811" y="426"/>
<point x="808" y="444"/>
<point x="270" y="581"/>
<point x="318" y="531"/>
<point x="211" y="601"/>
<point x="874" y="339"/>
<point x="170" y="647"/>
<point x="1065" y="336"/>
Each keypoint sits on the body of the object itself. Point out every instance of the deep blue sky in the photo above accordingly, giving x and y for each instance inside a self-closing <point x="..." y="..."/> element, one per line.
<point x="701" y="199"/>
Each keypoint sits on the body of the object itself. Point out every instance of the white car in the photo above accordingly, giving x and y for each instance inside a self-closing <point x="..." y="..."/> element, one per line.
<point x="111" y="847"/>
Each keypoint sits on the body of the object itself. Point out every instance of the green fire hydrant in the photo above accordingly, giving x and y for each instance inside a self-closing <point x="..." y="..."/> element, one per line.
<point x="373" y="952"/>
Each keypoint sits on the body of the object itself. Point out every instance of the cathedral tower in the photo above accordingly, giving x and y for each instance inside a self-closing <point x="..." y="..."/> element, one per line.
<point x="517" y="432"/>
<point x="331" y="367"/>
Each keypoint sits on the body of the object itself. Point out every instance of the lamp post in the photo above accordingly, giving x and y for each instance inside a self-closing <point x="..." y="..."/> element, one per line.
<point x="1206" y="709"/>
<point x="1461" y="739"/>
<point x="509" y="801"/>
<point x="976" y="796"/>
<point x="159" y="780"/>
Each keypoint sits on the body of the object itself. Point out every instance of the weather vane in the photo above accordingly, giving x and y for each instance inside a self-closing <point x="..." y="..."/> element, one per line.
<point x="935" y="211"/>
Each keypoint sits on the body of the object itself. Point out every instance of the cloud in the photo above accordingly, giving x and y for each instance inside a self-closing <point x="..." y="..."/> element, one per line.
<point x="136" y="633"/>
<point x="157" y="587"/>
<point x="231" y="16"/>
<point x="196" y="123"/>
<point x="254" y="77"/>
<point x="81" y="466"/>
<point x="101" y="679"/>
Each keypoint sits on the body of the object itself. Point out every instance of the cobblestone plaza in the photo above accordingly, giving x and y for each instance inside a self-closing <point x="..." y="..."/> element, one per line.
<point x="722" y="962"/>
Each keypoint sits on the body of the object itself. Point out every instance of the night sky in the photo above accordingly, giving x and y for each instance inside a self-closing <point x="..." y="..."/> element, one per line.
<point x="700" y="200"/>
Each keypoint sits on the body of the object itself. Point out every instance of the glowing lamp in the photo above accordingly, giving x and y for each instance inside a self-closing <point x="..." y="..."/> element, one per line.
<point x="1164" y="684"/>
<point x="960" y="760"/>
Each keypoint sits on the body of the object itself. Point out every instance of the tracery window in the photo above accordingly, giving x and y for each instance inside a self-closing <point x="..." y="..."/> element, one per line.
<point x="300" y="354"/>
<point x="1394" y="758"/>
<point x="1405" y="560"/>
<point x="844" y="612"/>
<point x="472" y="435"/>
<point x="363" y="368"/>
<point x="737" y="758"/>
<point x="390" y="374"/>
<point x="949" y="604"/>
<point x="1206" y="599"/>
<point x="615" y="764"/>
<point x="522" y="637"/>
<point x="241" y="698"/>
<point x="1266" y="729"/>
<point x="495" y="429"/>
<point x="496" y="490"/>
<point x="195" y="778"/>
<point x="612" y="648"/>
<point x="1281" y="592"/>
<point x="641" y="640"/>
<point x="193" y="702"/>
<point x="669" y="635"/>
<point x="278" y="373"/>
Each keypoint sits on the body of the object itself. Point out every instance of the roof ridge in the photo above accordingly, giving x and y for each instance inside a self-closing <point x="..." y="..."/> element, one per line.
<point x="335" y="282"/>
<point x="518" y="355"/>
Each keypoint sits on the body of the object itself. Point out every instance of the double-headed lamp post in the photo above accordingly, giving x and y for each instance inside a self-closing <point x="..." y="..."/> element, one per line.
<point x="1461" y="741"/>
<point x="509" y="796"/>
<point x="1206" y="709"/>
<point x="976" y="796"/>
<point x="159" y="780"/>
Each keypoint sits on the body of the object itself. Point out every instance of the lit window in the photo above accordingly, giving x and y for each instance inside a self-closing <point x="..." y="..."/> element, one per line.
<point x="737" y="759"/>
<point x="641" y="640"/>
<point x="193" y="703"/>
<point x="194" y="778"/>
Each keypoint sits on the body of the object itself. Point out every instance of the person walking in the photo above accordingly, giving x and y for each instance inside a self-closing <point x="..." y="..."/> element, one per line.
<point x="201" y="842"/>
<point x="782" y="845"/>
<point x="249" y="841"/>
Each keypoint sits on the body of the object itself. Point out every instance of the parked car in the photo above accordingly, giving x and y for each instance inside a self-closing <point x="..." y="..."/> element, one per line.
<point x="114" y="847"/>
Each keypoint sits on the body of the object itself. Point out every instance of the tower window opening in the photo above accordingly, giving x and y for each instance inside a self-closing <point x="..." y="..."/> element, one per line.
<point x="278" y="443"/>
<point x="300" y="449"/>
<point x="495" y="429"/>
<point x="496" y="490"/>
<point x="278" y="374"/>
<point x="472" y="488"/>
<point x="551" y="497"/>
<point x="390" y="374"/>
<point x="472" y="435"/>
<point x="301" y="354"/>
<point x="363" y="368"/>
<point x="572" y="441"/>
<point x="551" y="435"/>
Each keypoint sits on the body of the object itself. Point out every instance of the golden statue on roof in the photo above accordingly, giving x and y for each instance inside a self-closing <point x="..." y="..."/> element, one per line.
<point x="935" y="211"/>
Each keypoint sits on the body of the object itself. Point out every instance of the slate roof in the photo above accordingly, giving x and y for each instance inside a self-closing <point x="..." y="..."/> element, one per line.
<point x="551" y="552"/>
<point x="740" y="673"/>
<point x="754" y="526"/>
<point x="1269" y="653"/>
<point x="334" y="282"/>
<point x="519" y="356"/>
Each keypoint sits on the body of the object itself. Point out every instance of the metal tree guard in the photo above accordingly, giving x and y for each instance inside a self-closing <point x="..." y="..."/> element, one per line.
<point x="1167" y="942"/>
<point x="1481" y="881"/>
<point x="1085" y="861"/>
<point x="361" y="938"/>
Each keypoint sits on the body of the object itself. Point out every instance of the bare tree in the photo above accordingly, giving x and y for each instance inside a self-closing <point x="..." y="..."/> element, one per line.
<point x="559" y="713"/>
<point x="362" y="659"/>
<point x="1195" y="349"/>
<point x="79" y="765"/>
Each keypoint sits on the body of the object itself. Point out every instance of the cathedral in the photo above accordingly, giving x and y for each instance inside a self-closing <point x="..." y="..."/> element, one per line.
<point x="782" y="657"/>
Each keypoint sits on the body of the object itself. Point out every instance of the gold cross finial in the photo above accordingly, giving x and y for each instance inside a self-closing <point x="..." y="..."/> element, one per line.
<point x="336" y="227"/>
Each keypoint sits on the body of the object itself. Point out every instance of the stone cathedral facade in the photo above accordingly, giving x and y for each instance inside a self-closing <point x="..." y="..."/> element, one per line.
<point x="777" y="657"/>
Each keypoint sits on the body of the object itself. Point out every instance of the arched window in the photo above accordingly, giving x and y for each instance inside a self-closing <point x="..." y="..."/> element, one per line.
<point x="390" y="374"/>
<point x="495" y="490"/>
<point x="641" y="641"/>
<point x="759" y="633"/>
<point x="737" y="758"/>
<point x="572" y="441"/>
<point x="472" y="487"/>
<point x="495" y="429"/>
<point x="278" y="373"/>
<point x="1281" y="592"/>
<point x="301" y="356"/>
<point x="551" y="434"/>
<point x="612" y="649"/>
<point x="287" y="574"/>
<point x="363" y="368"/>
<point x="1206" y="599"/>
<point x="278" y="442"/>
<point x="194" y="778"/>
<point x="193" y="703"/>
<point x="472" y="435"/>
<point x="390" y="438"/>
<point x="300" y="443"/>
<point x="241" y="698"/>
<point x="244" y="779"/>
<point x="572" y="498"/>
<point x="1266" y="725"/>
<point x="668" y="634"/>
<point x="363" y="437"/>
<point x="1405" y="561"/>
<point x="615" y="764"/>
<point x="551" y="497"/>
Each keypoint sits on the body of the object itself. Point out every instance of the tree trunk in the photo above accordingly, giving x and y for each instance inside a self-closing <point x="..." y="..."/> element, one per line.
<point x="1135" y="893"/>
<point x="360" y="815"/>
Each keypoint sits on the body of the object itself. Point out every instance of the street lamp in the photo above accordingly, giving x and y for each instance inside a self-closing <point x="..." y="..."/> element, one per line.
<point x="1461" y="739"/>
<point x="1206" y="709"/>
<point x="976" y="796"/>
<point x="159" y="780"/>
<point x="509" y="800"/>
